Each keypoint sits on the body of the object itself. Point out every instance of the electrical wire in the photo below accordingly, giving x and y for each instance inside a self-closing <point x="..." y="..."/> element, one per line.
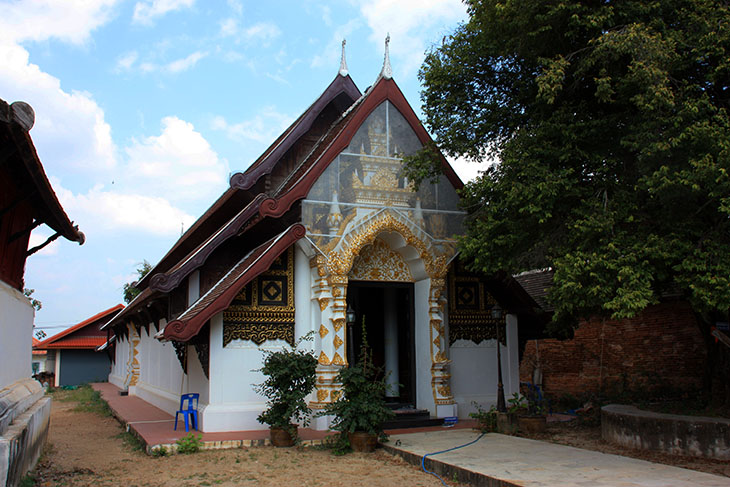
<point x="423" y="460"/>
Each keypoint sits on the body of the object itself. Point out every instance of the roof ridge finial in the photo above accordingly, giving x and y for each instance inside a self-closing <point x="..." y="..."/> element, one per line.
<point x="387" y="71"/>
<point x="343" y="61"/>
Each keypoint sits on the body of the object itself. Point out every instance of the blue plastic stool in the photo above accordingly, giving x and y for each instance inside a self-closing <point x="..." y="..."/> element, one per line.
<point x="190" y="412"/>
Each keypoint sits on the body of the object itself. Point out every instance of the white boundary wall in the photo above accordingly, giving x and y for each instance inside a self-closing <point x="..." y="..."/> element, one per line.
<point x="474" y="370"/>
<point x="16" y="335"/>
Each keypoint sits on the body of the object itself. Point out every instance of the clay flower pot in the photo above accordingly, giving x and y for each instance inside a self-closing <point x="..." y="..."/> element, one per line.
<point x="532" y="424"/>
<point x="363" y="442"/>
<point x="281" y="437"/>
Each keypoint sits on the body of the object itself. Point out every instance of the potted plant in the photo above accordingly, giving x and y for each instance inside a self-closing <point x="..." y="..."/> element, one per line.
<point x="533" y="417"/>
<point x="507" y="421"/>
<point x="360" y="408"/>
<point x="290" y="377"/>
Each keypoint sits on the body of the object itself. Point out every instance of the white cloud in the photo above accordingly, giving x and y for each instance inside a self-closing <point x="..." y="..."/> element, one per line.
<point x="263" y="128"/>
<point x="179" y="163"/>
<point x="37" y="20"/>
<point x="411" y="33"/>
<point x="330" y="55"/>
<point x="173" y="67"/>
<point x="147" y="11"/>
<point x="261" y="32"/>
<point x="112" y="211"/>
<point x="38" y="237"/>
<point x="185" y="63"/>
<point x="70" y="130"/>
<point x="229" y="27"/>
<point x="468" y="170"/>
<point x="125" y="61"/>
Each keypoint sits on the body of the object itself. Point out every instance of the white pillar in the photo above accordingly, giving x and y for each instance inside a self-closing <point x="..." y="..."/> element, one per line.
<point x="390" y="333"/>
<point x="510" y="358"/>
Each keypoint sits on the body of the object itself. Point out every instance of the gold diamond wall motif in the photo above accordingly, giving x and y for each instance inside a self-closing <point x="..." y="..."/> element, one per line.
<point x="264" y="309"/>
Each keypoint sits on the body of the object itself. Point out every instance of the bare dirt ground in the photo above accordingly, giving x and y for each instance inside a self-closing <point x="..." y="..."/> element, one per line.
<point x="587" y="435"/>
<point x="88" y="449"/>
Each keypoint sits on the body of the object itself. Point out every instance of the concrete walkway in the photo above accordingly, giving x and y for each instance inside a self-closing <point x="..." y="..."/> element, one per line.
<point x="493" y="461"/>
<point x="155" y="426"/>
<point x="499" y="460"/>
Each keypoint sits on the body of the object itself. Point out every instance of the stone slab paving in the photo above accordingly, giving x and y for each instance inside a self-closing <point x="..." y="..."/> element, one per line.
<point x="500" y="460"/>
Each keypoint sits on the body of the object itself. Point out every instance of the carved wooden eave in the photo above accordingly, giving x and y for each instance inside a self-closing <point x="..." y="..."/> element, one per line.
<point x="167" y="281"/>
<point x="16" y="120"/>
<point x="338" y="138"/>
<point x="266" y="163"/>
<point x="220" y="296"/>
<point x="128" y="313"/>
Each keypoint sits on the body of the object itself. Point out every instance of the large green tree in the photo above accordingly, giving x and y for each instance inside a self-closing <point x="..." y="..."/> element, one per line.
<point x="609" y="121"/>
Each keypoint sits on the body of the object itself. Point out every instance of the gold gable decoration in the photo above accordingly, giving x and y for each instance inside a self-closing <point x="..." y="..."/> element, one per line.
<point x="470" y="306"/>
<point x="264" y="309"/>
<point x="377" y="262"/>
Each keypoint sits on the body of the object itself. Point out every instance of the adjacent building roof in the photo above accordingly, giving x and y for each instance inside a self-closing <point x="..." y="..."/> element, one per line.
<point x="16" y="120"/>
<point x="537" y="284"/>
<point x="84" y="335"/>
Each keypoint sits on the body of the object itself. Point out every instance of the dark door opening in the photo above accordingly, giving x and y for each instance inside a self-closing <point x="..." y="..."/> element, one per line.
<point x="387" y="309"/>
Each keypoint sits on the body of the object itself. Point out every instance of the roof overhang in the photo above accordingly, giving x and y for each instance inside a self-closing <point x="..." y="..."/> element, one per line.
<point x="220" y="296"/>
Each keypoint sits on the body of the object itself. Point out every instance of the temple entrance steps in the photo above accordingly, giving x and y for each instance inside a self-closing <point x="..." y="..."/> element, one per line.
<point x="407" y="416"/>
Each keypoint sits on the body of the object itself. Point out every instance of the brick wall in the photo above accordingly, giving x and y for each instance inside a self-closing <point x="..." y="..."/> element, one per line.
<point x="661" y="348"/>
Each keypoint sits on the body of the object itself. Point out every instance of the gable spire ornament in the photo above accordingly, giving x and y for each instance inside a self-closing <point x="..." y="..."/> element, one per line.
<point x="343" y="62"/>
<point x="387" y="71"/>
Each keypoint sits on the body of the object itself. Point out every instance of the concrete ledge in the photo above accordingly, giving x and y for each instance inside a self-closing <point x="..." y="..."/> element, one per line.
<point x="16" y="398"/>
<point x="671" y="433"/>
<point x="22" y="443"/>
<point x="448" y="471"/>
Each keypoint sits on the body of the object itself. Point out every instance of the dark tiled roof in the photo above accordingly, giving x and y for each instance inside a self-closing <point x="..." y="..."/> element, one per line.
<point x="537" y="283"/>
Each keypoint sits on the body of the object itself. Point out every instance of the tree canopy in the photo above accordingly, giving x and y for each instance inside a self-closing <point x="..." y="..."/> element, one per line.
<point x="610" y="124"/>
<point x="130" y="290"/>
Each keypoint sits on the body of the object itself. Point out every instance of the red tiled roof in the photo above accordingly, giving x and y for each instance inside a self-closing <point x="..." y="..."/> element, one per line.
<point x="58" y="341"/>
<point x="37" y="352"/>
<point x="76" y="342"/>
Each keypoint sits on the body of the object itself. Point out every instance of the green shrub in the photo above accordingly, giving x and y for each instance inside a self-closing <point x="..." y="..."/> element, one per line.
<point x="290" y="377"/>
<point x="191" y="443"/>
<point x="160" y="451"/>
<point x="486" y="420"/>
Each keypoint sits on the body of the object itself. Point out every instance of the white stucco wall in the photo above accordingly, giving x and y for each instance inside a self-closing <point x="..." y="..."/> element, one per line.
<point x="16" y="335"/>
<point x="233" y="404"/>
<point x="424" y="391"/>
<point x="119" y="367"/>
<point x="474" y="370"/>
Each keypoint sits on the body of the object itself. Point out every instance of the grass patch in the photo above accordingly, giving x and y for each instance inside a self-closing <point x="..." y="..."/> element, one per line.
<point x="88" y="399"/>
<point x="130" y="441"/>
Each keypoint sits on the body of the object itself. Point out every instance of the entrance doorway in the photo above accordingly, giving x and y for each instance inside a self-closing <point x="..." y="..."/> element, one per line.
<point x="388" y="313"/>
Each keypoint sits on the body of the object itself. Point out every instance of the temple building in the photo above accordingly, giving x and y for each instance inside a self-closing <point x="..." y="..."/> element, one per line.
<point x="322" y="235"/>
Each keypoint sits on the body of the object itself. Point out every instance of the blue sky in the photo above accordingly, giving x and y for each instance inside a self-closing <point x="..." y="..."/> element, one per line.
<point x="144" y="108"/>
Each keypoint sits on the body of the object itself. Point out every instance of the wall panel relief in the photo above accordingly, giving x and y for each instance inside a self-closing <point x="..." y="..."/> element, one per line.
<point x="264" y="309"/>
<point x="470" y="306"/>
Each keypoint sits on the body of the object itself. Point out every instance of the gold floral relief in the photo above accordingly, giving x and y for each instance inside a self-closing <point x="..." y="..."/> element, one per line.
<point x="338" y="323"/>
<point x="377" y="262"/>
<point x="335" y="395"/>
<point x="341" y="262"/>
<point x="323" y="359"/>
<point x="322" y="395"/>
<point x="337" y="342"/>
<point x="337" y="360"/>
<point x="444" y="390"/>
<point x="323" y="331"/>
<point x="323" y="302"/>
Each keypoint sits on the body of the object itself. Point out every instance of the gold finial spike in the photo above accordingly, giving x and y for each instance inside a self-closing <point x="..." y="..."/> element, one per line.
<point x="343" y="61"/>
<point x="387" y="71"/>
